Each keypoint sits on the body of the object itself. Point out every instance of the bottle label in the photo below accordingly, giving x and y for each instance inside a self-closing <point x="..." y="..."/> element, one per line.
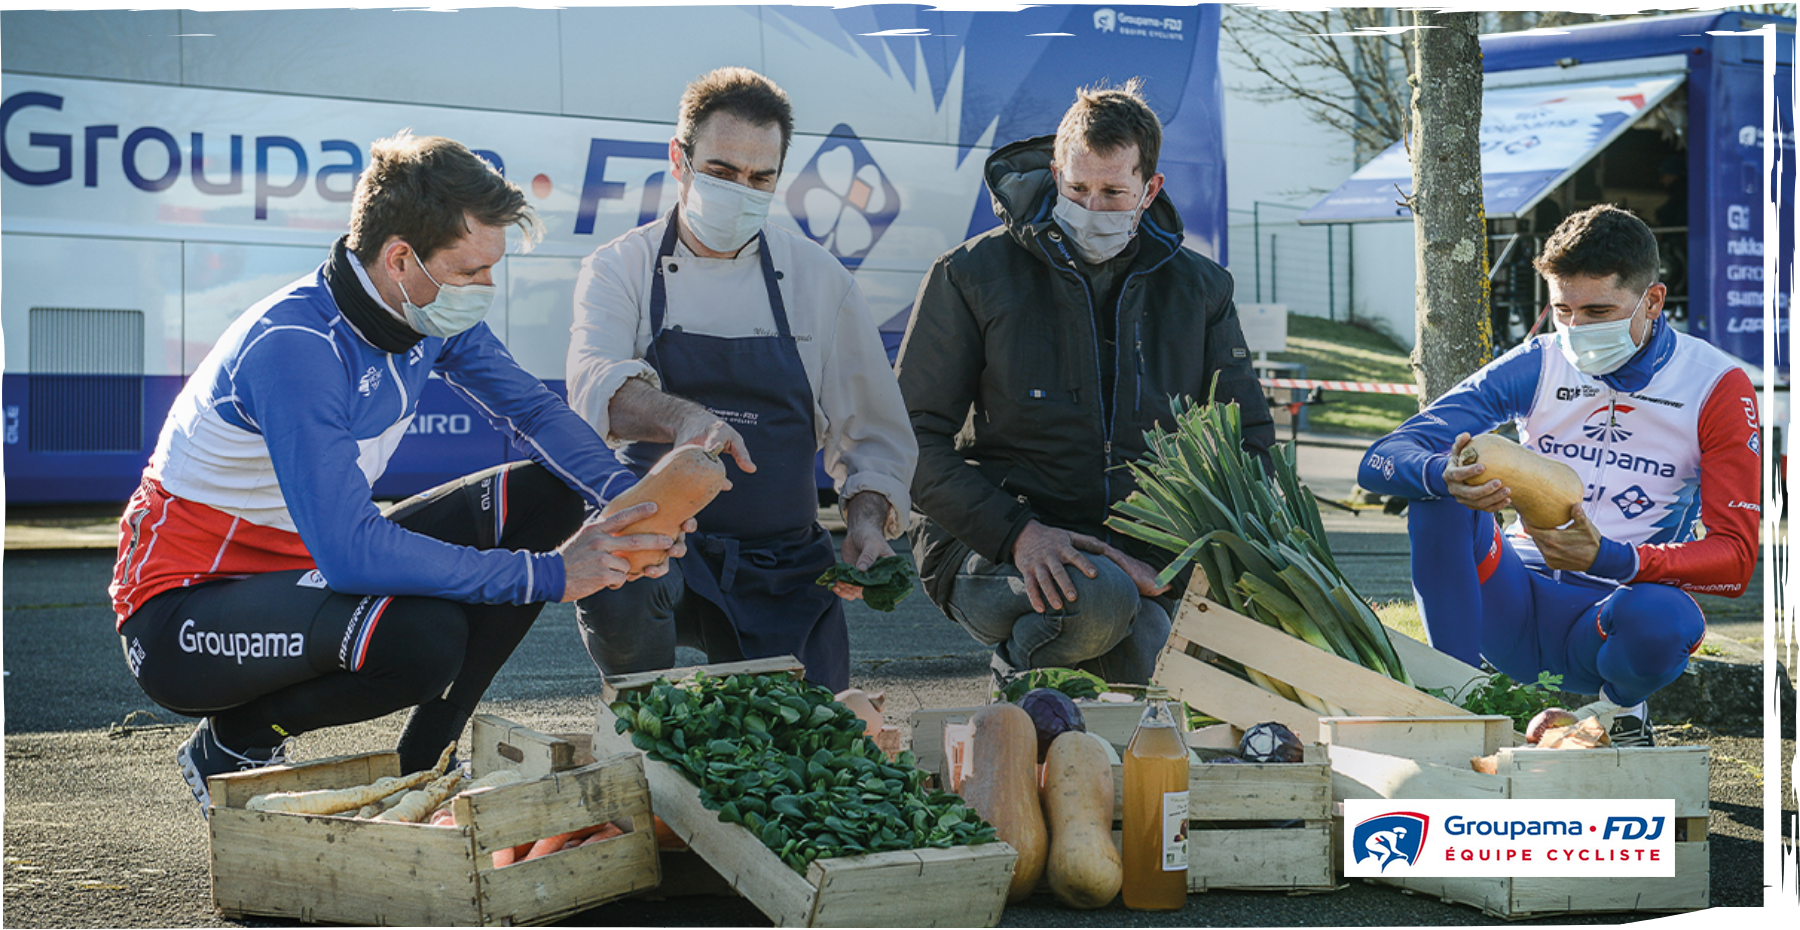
<point x="1175" y="831"/>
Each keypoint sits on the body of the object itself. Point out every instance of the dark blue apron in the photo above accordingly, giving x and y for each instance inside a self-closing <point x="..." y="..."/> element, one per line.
<point x="760" y="549"/>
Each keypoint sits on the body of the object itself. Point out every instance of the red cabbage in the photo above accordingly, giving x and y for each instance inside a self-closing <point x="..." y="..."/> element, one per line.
<point x="1053" y="713"/>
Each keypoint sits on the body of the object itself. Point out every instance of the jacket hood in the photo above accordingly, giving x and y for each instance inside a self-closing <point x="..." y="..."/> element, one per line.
<point x="1024" y="192"/>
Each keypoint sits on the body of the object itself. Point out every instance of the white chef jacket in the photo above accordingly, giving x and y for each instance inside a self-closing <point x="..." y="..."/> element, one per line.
<point x="859" y="418"/>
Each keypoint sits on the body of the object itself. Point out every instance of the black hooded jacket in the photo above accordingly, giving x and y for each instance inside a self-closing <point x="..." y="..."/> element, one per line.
<point x="1002" y="372"/>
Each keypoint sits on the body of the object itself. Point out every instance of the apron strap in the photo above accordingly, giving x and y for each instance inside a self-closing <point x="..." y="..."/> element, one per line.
<point x="726" y="548"/>
<point x="659" y="292"/>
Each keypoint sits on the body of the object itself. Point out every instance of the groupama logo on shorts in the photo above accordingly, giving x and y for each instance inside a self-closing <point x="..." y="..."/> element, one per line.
<point x="1390" y="840"/>
<point x="842" y="199"/>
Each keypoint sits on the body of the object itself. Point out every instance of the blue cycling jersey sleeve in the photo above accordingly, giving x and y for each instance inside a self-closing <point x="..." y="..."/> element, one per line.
<point x="477" y="366"/>
<point x="293" y="386"/>
<point x="1409" y="462"/>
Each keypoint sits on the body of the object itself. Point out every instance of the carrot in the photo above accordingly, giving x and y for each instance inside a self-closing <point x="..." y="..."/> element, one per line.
<point x="546" y="846"/>
<point x="569" y="840"/>
<point x="666" y="837"/>
<point x="443" y="817"/>
<point x="604" y="834"/>
<point x="511" y="854"/>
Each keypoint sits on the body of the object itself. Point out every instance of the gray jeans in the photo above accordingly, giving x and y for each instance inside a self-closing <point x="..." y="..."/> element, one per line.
<point x="636" y="627"/>
<point x="1109" y="629"/>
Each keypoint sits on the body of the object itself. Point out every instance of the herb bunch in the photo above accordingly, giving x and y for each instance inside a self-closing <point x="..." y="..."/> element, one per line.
<point x="1498" y="694"/>
<point x="794" y="767"/>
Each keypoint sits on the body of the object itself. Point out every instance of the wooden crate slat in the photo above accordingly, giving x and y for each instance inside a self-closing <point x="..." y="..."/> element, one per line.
<point x="340" y="870"/>
<point x="235" y="789"/>
<point x="1229" y="697"/>
<point x="1287" y="859"/>
<point x="1300" y="664"/>
<point x="576" y="879"/>
<point x="1358" y="773"/>
<point x="1451" y="741"/>
<point x="508" y="815"/>
<point x="612" y="686"/>
<point x="908" y="888"/>
<point x="497" y="743"/>
<point x="1678" y="772"/>
<point x="1250" y="791"/>
<point x="1687" y="890"/>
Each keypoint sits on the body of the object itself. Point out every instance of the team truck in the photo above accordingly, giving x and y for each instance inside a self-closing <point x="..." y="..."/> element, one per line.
<point x="164" y="170"/>
<point x="1662" y="115"/>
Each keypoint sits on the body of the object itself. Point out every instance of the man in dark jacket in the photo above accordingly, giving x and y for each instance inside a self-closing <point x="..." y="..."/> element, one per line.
<point x="1037" y="356"/>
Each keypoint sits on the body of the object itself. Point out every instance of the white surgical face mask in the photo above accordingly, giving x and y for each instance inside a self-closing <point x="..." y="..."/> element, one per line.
<point x="1097" y="235"/>
<point x="1600" y="348"/>
<point x="456" y="308"/>
<point x="722" y="215"/>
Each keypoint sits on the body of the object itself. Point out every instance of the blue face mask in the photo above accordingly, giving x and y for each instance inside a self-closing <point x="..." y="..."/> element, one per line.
<point x="457" y="307"/>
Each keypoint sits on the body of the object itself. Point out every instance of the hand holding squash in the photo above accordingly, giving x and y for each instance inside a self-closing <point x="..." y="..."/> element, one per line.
<point x="1491" y="495"/>
<point x="1568" y="548"/>
<point x="594" y="557"/>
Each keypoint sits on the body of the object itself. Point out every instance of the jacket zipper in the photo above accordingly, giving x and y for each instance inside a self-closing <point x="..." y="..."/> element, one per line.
<point x="1106" y="424"/>
<point x="1105" y="421"/>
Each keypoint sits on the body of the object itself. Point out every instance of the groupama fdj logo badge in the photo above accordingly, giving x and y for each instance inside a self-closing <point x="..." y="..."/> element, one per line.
<point x="1510" y="837"/>
<point x="842" y="199"/>
<point x="1390" y="840"/>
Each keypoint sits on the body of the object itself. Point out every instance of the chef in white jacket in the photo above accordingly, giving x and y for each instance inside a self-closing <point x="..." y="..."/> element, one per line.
<point x="712" y="326"/>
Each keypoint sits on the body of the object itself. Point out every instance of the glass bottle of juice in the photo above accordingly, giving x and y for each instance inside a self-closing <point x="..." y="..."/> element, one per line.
<point x="1154" y="851"/>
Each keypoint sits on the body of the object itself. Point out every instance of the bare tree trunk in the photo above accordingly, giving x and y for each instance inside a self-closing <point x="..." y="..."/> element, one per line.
<point x="1455" y="335"/>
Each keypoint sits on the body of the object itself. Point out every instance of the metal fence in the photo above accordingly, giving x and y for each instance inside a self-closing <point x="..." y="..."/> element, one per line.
<point x="1276" y="260"/>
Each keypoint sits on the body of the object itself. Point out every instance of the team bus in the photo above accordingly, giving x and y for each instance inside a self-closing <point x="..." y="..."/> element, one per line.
<point x="164" y="170"/>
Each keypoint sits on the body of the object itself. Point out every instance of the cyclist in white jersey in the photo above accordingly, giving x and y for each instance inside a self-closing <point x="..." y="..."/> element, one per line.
<point x="1662" y="429"/>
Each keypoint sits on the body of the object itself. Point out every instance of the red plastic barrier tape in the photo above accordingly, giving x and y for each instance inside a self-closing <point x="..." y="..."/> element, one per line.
<point x="1353" y="387"/>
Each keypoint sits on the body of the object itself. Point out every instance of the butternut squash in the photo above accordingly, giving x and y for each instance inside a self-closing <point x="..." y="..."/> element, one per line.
<point x="681" y="483"/>
<point x="1001" y="784"/>
<point x="1542" y="489"/>
<point x="1083" y="868"/>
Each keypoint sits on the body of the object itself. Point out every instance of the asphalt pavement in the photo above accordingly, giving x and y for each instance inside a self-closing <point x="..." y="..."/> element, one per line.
<point x="99" y="829"/>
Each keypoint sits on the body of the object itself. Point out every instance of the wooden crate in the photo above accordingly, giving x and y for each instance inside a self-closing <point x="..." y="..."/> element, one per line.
<point x="1201" y="626"/>
<point x="1256" y="826"/>
<point x="1405" y="758"/>
<point x="338" y="869"/>
<point x="960" y="887"/>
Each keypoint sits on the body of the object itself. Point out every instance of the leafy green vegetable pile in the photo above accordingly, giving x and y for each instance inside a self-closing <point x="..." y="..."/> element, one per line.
<point x="794" y="767"/>
<point x="885" y="583"/>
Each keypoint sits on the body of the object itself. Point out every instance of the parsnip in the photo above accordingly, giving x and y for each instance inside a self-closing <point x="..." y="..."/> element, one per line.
<point x="420" y="802"/>
<point x="339" y="800"/>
